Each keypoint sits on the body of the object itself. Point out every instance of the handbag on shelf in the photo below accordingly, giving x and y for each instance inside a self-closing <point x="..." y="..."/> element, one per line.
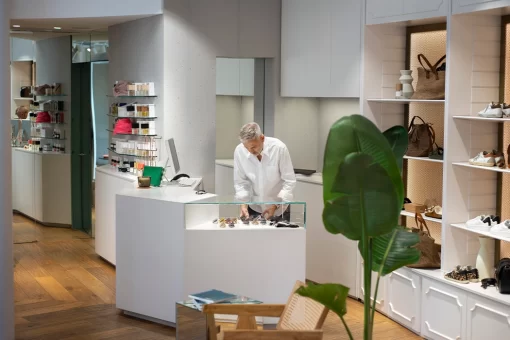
<point x="431" y="80"/>
<point x="422" y="138"/>
<point x="430" y="251"/>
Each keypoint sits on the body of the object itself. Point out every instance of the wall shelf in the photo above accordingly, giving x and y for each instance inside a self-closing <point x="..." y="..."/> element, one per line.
<point x="110" y="96"/>
<point x="483" y="119"/>
<point x="426" y="218"/>
<point x="24" y="98"/>
<point x="50" y="95"/>
<point x="480" y="232"/>
<point x="486" y="168"/>
<point x="130" y="155"/>
<point x="130" y="134"/>
<point x="424" y="159"/>
<point x="405" y="101"/>
<point x="47" y="138"/>
<point x="141" y="118"/>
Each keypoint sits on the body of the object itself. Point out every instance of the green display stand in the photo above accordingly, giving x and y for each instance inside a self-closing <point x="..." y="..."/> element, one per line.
<point x="155" y="173"/>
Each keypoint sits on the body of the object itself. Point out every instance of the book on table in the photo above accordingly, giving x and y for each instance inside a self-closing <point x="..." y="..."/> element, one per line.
<point x="212" y="296"/>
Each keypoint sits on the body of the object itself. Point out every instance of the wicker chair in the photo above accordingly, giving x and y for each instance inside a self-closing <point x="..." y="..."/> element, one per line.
<point x="300" y="319"/>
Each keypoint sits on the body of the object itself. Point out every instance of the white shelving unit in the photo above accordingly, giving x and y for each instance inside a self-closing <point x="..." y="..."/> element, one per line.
<point x="426" y="218"/>
<point x="424" y="159"/>
<point x="423" y="300"/>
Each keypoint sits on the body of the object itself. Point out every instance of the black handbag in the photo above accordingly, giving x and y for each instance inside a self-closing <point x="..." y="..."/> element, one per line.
<point x="503" y="276"/>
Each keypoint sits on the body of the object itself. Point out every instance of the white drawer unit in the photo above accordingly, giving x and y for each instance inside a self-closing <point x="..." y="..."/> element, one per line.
<point x="404" y="296"/>
<point x="486" y="319"/>
<point x="443" y="311"/>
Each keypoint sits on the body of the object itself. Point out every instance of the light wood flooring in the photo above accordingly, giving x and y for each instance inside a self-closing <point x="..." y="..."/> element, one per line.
<point x="64" y="291"/>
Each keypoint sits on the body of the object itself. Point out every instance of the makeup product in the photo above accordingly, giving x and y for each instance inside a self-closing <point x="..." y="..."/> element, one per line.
<point x="135" y="128"/>
<point x="144" y="182"/>
<point x="215" y="221"/>
<point x="144" y="128"/>
<point x="398" y="91"/>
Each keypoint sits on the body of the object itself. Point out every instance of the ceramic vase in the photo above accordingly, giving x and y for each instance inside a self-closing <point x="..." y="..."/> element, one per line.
<point x="407" y="83"/>
<point x="485" y="258"/>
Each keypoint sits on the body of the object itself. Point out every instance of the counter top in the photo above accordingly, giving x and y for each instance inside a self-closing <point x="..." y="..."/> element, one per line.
<point x="316" y="178"/>
<point x="111" y="171"/>
<point x="168" y="193"/>
<point x="47" y="153"/>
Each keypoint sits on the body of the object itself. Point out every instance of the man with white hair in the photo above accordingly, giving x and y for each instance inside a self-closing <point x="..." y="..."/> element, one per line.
<point x="263" y="172"/>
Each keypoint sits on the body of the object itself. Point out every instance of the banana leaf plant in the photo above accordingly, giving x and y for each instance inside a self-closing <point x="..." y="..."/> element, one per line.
<point x="363" y="195"/>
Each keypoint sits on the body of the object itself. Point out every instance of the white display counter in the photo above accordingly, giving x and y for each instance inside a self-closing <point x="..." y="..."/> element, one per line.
<point x="323" y="250"/>
<point x="109" y="182"/>
<point x="41" y="186"/>
<point x="168" y="247"/>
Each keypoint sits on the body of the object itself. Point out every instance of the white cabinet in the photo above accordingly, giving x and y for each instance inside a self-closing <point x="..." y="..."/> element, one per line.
<point x="381" y="300"/>
<point x="22" y="49"/>
<point x="321" y="48"/>
<point x="486" y="319"/>
<point x="443" y="311"/>
<point x="404" y="298"/>
<point x="385" y="11"/>
<point x="322" y="248"/>
<point x="235" y="77"/>
<point x="467" y="6"/>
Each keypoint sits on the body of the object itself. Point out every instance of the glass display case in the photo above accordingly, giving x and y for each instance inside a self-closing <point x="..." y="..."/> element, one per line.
<point x="228" y="213"/>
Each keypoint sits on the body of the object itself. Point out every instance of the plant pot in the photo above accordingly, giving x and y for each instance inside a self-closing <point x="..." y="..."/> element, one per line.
<point x="407" y="83"/>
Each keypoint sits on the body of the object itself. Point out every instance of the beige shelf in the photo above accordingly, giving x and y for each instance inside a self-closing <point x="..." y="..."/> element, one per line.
<point x="424" y="159"/>
<point x="486" y="168"/>
<point x="408" y="214"/>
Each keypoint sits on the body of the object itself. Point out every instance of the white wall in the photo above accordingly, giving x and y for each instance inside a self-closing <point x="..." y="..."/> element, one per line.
<point x="303" y="125"/>
<point x="54" y="66"/>
<point x="33" y="9"/>
<point x="232" y="112"/>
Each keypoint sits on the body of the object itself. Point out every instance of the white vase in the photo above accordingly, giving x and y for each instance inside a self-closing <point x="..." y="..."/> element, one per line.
<point x="485" y="258"/>
<point x="407" y="83"/>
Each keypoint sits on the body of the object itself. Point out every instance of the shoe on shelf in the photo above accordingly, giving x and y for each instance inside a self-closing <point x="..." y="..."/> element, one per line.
<point x="472" y="274"/>
<point x="435" y="212"/>
<point x="495" y="219"/>
<point x="499" y="158"/>
<point x="491" y="111"/>
<point x="502" y="229"/>
<point x="484" y="158"/>
<point x="482" y="223"/>
<point x="459" y="274"/>
<point x="506" y="110"/>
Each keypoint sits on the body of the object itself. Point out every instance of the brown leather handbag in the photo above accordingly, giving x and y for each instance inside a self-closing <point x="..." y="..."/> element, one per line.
<point x="429" y="249"/>
<point x="431" y="81"/>
<point x="421" y="139"/>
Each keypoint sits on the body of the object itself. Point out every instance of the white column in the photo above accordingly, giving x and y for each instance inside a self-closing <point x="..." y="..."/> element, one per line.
<point x="6" y="257"/>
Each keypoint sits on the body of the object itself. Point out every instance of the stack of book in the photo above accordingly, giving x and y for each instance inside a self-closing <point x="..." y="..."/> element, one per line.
<point x="217" y="296"/>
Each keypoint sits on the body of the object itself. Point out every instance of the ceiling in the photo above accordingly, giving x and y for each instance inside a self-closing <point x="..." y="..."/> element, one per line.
<point x="36" y="29"/>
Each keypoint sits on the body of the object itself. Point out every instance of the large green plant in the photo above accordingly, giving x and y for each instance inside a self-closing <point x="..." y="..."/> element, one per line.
<point x="363" y="197"/>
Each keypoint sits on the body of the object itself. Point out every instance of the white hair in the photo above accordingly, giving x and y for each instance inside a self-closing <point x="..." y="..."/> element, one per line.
<point x="250" y="131"/>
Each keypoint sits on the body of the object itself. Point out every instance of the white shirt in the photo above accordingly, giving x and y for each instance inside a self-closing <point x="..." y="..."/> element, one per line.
<point x="268" y="180"/>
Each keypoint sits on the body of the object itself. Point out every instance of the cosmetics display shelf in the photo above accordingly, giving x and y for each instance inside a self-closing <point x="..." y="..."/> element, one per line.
<point x="137" y="117"/>
<point x="238" y="226"/>
<point x="405" y="101"/>
<point x="50" y="95"/>
<point x="49" y="123"/>
<point x="47" y="138"/>
<point x="426" y="218"/>
<point x="483" y="119"/>
<point x="130" y="155"/>
<point x="486" y="168"/>
<point x="110" y="96"/>
<point x="132" y="134"/>
<point x="481" y="232"/>
<point x="426" y="159"/>
<point x="24" y="98"/>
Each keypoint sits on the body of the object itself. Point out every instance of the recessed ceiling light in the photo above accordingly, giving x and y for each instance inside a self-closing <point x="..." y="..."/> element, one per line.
<point x="57" y="28"/>
<point x="16" y="26"/>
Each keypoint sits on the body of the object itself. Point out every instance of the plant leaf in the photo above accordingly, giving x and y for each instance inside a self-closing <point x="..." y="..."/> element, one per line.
<point x="397" y="137"/>
<point x="357" y="134"/>
<point x="333" y="296"/>
<point x="367" y="194"/>
<point x="401" y="253"/>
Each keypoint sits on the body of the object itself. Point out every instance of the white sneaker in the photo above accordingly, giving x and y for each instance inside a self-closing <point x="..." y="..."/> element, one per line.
<point x="482" y="222"/>
<point x="502" y="229"/>
<point x="484" y="158"/>
<point x="491" y="111"/>
<point x="505" y="110"/>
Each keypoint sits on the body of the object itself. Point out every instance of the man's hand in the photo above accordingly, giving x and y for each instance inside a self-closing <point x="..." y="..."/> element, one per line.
<point x="244" y="211"/>
<point x="269" y="212"/>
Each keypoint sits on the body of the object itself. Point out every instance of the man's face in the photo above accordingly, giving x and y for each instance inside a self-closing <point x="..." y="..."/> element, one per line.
<point x="255" y="146"/>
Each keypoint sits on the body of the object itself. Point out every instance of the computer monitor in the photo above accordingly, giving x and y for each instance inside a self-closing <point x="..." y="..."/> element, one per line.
<point x="172" y="153"/>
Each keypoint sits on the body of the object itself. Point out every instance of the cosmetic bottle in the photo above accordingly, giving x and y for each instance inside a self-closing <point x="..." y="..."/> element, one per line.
<point x="145" y="128"/>
<point x="135" y="128"/>
<point x="398" y="92"/>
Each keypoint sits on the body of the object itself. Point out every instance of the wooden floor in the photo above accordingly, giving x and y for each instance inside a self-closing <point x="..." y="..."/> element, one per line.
<point x="63" y="290"/>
